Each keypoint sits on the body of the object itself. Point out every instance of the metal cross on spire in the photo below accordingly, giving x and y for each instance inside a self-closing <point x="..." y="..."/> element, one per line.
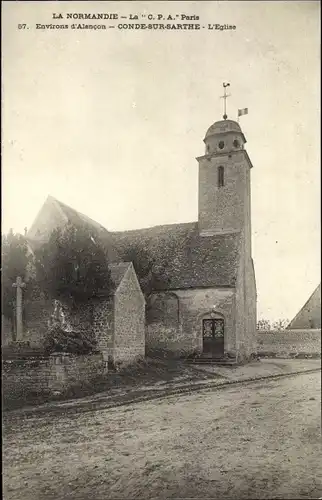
<point x="224" y="97"/>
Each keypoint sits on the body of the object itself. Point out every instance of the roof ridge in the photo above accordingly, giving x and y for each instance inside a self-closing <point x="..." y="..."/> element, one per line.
<point x="155" y="227"/>
<point x="122" y="263"/>
<point x="62" y="204"/>
<point x="304" y="305"/>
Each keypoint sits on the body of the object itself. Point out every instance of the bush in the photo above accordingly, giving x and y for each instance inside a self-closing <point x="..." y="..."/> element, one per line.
<point x="59" y="340"/>
<point x="73" y="265"/>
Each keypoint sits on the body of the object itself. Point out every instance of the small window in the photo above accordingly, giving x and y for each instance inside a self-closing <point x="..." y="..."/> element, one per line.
<point x="221" y="145"/>
<point x="236" y="143"/>
<point x="220" y="176"/>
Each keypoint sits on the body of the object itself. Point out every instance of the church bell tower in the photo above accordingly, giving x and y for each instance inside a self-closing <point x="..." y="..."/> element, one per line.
<point x="224" y="182"/>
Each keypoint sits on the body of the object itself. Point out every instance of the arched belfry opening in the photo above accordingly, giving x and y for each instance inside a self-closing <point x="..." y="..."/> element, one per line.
<point x="213" y="335"/>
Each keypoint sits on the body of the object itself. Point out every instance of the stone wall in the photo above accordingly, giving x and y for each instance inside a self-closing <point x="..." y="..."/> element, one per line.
<point x="245" y="301"/>
<point x="223" y="208"/>
<point x="251" y="308"/>
<point x="37" y="315"/>
<point x="245" y="309"/>
<point x="289" y="342"/>
<point x="240" y="324"/>
<point x="23" y="380"/>
<point x="6" y="331"/>
<point x="196" y="305"/>
<point x="94" y="317"/>
<point x="182" y="334"/>
<point x="66" y="371"/>
<point x="163" y="323"/>
<point x="103" y="326"/>
<point x="129" y="325"/>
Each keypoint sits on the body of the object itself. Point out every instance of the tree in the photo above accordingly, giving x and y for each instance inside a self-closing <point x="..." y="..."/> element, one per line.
<point x="71" y="268"/>
<point x="263" y="324"/>
<point x="280" y="324"/>
<point x="150" y="270"/>
<point x="15" y="260"/>
<point x="72" y="265"/>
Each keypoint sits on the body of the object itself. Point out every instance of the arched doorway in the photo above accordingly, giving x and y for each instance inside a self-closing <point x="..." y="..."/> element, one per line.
<point x="213" y="335"/>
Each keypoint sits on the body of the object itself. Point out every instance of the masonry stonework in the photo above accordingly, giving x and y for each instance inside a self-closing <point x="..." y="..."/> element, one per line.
<point x="103" y="326"/>
<point x="198" y="270"/>
<point x="245" y="308"/>
<point x="37" y="315"/>
<point x="6" y="331"/>
<point x="222" y="208"/>
<point x="66" y="371"/>
<point x="129" y="326"/>
<point x="289" y="343"/>
<point x="163" y="323"/>
<point x="197" y="305"/>
<point x="24" y="379"/>
<point x="181" y="333"/>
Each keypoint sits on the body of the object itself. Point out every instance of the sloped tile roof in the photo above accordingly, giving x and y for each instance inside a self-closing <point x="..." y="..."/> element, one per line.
<point x="77" y="218"/>
<point x="184" y="259"/>
<point x="118" y="271"/>
<point x="310" y="313"/>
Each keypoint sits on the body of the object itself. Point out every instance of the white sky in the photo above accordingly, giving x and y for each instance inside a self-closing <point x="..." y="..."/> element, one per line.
<point x="110" y="122"/>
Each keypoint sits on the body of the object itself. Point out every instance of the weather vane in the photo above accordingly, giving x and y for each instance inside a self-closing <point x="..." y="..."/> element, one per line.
<point x="224" y="97"/>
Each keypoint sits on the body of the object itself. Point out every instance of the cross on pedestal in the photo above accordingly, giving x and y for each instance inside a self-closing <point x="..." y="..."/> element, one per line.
<point x="19" y="285"/>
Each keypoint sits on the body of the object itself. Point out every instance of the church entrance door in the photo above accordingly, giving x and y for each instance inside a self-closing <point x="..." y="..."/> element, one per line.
<point x="213" y="337"/>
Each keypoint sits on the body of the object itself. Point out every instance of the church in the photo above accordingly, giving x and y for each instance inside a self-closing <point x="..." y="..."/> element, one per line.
<point x="202" y="295"/>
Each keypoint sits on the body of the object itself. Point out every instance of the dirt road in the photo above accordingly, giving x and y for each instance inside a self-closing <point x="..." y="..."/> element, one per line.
<point x="255" y="441"/>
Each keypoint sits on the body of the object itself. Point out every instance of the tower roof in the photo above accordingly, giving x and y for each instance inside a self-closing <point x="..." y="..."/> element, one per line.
<point x="222" y="127"/>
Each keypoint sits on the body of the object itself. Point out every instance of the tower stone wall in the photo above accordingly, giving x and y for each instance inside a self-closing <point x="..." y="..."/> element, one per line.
<point x="225" y="207"/>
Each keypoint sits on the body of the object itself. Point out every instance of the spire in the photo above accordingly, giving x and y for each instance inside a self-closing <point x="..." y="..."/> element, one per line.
<point x="224" y="97"/>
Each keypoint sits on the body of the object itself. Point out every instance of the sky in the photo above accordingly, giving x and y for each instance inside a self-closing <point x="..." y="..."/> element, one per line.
<point x="111" y="121"/>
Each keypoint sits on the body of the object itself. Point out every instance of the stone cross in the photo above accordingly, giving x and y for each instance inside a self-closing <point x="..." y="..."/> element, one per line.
<point x="19" y="285"/>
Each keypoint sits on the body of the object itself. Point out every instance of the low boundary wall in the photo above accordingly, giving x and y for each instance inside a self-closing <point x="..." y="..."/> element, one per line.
<point x="289" y="343"/>
<point x="26" y="380"/>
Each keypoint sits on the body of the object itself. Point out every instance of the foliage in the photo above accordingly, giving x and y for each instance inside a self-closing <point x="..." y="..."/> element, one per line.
<point x="267" y="325"/>
<point x="15" y="260"/>
<point x="280" y="324"/>
<point x="58" y="340"/>
<point x="263" y="324"/>
<point x="143" y="266"/>
<point x="150" y="271"/>
<point x="62" y="337"/>
<point x="73" y="264"/>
